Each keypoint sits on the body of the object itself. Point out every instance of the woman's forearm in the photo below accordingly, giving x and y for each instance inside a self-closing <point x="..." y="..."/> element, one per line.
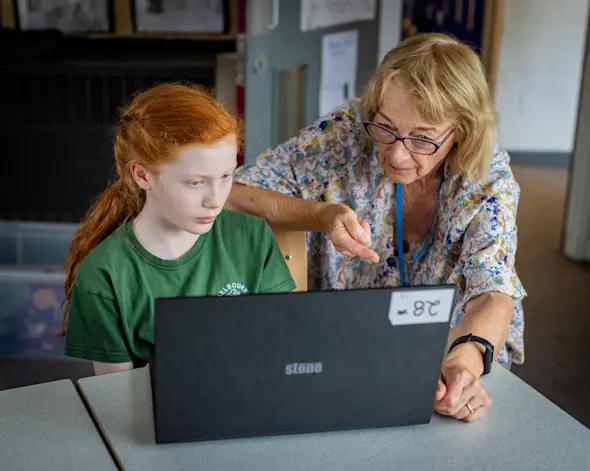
<point x="281" y="211"/>
<point x="489" y="316"/>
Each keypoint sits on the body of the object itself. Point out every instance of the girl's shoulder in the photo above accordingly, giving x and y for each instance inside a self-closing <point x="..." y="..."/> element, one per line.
<point x="104" y="261"/>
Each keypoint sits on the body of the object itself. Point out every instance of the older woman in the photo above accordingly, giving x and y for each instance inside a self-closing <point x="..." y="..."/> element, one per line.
<point x="422" y="133"/>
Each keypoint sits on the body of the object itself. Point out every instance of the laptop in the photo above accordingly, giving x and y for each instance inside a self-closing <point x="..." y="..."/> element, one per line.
<point x="273" y="364"/>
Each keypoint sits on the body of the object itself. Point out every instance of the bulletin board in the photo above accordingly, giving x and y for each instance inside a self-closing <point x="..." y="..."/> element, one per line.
<point x="126" y="17"/>
<point x="476" y="22"/>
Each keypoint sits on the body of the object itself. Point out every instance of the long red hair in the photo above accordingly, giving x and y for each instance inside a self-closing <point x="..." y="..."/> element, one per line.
<point x="152" y="128"/>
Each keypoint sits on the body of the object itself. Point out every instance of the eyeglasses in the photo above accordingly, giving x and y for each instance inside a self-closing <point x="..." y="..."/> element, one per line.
<point x="416" y="145"/>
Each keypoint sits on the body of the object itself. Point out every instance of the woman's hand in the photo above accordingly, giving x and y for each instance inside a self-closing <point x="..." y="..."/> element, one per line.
<point x="350" y="236"/>
<point x="460" y="386"/>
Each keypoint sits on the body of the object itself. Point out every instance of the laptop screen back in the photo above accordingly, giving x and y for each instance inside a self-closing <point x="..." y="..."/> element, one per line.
<point x="228" y="367"/>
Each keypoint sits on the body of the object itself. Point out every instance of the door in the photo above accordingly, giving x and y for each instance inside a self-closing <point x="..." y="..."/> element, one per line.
<point x="576" y="230"/>
<point x="283" y="65"/>
<point x="476" y="22"/>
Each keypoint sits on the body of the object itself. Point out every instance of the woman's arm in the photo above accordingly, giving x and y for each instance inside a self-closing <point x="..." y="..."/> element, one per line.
<point x="281" y="211"/>
<point x="491" y="290"/>
<point x="489" y="316"/>
<point x="460" y="393"/>
<point x="105" y="368"/>
<point x="289" y="183"/>
<point x="492" y="286"/>
<point x="349" y="235"/>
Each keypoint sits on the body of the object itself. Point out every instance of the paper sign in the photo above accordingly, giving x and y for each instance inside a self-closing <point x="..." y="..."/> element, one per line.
<point x="179" y="16"/>
<point x="338" y="73"/>
<point x="421" y="306"/>
<point x="324" y="13"/>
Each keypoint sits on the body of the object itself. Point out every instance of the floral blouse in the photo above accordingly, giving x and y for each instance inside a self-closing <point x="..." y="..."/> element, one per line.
<point x="472" y="243"/>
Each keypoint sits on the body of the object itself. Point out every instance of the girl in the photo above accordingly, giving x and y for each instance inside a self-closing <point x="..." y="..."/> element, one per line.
<point x="159" y="229"/>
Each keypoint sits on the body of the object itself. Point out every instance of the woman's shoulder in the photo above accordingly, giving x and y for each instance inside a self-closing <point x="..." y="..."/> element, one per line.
<point x="501" y="173"/>
<point x="496" y="195"/>
<point x="339" y="129"/>
<point x="499" y="181"/>
<point x="315" y="158"/>
<point x="345" y="117"/>
<point x="343" y="122"/>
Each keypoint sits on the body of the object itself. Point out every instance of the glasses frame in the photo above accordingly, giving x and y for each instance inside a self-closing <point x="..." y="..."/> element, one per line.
<point x="397" y="137"/>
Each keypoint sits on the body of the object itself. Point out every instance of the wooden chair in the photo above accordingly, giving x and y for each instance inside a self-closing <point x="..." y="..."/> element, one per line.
<point x="294" y="249"/>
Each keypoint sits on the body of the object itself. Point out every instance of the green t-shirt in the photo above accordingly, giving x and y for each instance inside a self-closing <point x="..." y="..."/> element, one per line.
<point x="111" y="313"/>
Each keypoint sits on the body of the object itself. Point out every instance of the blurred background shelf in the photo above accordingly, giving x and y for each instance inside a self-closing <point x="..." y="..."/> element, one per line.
<point x="123" y="22"/>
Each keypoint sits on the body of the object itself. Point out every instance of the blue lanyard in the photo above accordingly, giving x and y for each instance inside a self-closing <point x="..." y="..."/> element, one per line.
<point x="400" y="233"/>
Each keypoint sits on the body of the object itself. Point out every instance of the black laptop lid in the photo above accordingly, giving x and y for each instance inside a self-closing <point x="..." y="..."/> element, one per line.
<point x="253" y="365"/>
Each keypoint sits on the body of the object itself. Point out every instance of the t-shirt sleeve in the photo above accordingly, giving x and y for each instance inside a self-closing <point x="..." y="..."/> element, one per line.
<point x="489" y="247"/>
<point x="276" y="276"/>
<point x="93" y="330"/>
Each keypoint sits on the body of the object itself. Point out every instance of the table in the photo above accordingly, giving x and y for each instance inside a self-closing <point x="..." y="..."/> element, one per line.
<point x="523" y="431"/>
<point x="47" y="427"/>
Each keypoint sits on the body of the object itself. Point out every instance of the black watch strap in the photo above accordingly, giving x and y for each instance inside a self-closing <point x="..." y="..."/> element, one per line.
<point x="488" y="356"/>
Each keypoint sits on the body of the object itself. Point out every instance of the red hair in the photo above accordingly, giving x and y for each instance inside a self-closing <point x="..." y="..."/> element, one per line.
<point x="155" y="125"/>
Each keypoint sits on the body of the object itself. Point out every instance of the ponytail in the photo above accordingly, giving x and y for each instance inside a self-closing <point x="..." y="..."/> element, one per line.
<point x="118" y="204"/>
<point x="152" y="128"/>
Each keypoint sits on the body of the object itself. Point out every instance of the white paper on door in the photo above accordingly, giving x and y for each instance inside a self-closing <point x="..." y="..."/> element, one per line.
<point x="339" y="67"/>
<point x="317" y="14"/>
<point x="179" y="16"/>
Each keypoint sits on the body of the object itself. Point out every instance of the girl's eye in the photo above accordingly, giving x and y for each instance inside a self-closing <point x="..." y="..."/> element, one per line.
<point x="227" y="176"/>
<point x="194" y="184"/>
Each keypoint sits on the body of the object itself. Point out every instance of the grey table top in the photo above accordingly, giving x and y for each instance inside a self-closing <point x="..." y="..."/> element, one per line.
<point x="47" y="427"/>
<point x="523" y="431"/>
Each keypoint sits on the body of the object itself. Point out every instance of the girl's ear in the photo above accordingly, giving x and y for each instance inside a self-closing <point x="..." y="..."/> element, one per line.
<point x="141" y="176"/>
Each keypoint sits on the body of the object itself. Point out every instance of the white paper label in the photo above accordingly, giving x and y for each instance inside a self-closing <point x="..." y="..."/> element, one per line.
<point x="339" y="68"/>
<point x="317" y="14"/>
<point x="421" y="306"/>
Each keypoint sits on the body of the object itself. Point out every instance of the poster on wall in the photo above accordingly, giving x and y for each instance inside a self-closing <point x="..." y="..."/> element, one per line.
<point x="179" y="16"/>
<point x="339" y="68"/>
<point x="68" y="16"/>
<point x="316" y="14"/>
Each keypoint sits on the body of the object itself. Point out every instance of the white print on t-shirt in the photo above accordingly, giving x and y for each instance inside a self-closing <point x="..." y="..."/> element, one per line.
<point x="233" y="289"/>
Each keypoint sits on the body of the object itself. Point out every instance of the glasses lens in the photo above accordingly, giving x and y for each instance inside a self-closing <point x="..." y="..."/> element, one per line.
<point x="420" y="147"/>
<point x="380" y="134"/>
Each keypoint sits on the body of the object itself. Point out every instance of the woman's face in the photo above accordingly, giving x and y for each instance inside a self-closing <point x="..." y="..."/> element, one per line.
<point x="399" y="114"/>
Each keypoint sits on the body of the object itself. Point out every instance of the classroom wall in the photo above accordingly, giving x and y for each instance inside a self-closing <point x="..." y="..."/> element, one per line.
<point x="225" y="80"/>
<point x="538" y="80"/>
<point x="390" y="26"/>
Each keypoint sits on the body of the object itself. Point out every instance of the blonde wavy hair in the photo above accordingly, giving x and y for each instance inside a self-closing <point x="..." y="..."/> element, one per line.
<point x="448" y="82"/>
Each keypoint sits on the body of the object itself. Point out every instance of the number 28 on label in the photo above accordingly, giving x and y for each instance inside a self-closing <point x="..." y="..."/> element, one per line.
<point x="421" y="306"/>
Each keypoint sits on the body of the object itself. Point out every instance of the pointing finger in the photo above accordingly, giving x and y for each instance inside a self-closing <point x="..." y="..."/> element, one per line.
<point x="366" y="228"/>
<point x="356" y="230"/>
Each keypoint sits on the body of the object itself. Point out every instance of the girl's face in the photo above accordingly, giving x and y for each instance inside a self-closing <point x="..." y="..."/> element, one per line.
<point x="190" y="192"/>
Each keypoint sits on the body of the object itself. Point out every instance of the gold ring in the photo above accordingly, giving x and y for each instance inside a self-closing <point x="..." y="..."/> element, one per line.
<point x="469" y="408"/>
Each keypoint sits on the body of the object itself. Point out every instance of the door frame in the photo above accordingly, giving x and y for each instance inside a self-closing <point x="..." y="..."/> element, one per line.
<point x="492" y="37"/>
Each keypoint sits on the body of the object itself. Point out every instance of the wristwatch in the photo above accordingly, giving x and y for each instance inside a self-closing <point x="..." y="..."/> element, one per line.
<point x="488" y="356"/>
